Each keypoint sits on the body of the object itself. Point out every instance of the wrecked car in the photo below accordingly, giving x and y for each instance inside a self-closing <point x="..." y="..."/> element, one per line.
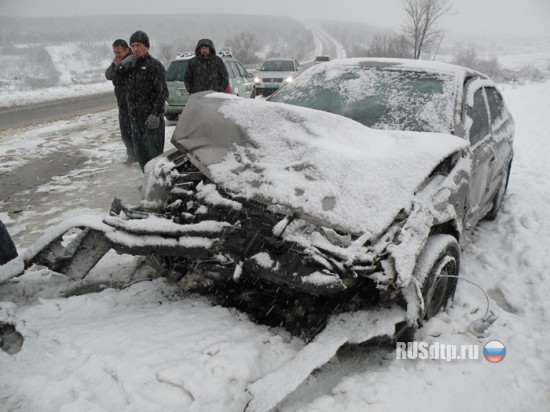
<point x="358" y="194"/>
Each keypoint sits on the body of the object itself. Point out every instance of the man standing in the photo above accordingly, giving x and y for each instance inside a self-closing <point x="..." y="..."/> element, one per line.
<point x="146" y="91"/>
<point x="206" y="71"/>
<point x="121" y="51"/>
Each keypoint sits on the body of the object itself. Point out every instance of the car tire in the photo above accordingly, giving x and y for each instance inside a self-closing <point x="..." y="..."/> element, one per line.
<point x="438" y="265"/>
<point x="253" y="94"/>
<point x="499" y="195"/>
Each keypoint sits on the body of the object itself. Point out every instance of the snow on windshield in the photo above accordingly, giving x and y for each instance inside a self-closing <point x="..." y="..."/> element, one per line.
<point x="389" y="98"/>
<point x="323" y="166"/>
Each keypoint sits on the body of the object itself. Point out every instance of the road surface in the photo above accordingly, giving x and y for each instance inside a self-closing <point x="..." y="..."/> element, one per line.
<point x="16" y="117"/>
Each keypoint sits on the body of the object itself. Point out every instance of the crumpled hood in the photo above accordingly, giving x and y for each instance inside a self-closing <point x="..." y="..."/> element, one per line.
<point x="327" y="168"/>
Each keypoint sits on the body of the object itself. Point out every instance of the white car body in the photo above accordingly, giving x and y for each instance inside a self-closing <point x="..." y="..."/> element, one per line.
<point x="275" y="73"/>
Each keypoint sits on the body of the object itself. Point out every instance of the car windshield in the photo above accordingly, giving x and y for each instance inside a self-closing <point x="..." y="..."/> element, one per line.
<point x="277" y="66"/>
<point x="379" y="98"/>
<point x="322" y="58"/>
<point x="176" y="71"/>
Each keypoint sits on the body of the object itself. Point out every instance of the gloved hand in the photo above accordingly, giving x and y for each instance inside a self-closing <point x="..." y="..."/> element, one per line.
<point x="152" y="122"/>
<point x="129" y="61"/>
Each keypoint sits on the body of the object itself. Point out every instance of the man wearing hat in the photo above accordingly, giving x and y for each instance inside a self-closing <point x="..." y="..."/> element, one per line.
<point x="146" y="91"/>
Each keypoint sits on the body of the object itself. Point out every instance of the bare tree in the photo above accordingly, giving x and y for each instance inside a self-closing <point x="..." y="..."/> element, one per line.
<point x="244" y="47"/>
<point x="166" y="53"/>
<point x="421" y="28"/>
<point x="389" y="45"/>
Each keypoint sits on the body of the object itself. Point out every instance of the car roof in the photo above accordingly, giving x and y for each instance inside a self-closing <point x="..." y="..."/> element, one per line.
<point x="224" y="54"/>
<point x="280" y="58"/>
<point x="429" y="66"/>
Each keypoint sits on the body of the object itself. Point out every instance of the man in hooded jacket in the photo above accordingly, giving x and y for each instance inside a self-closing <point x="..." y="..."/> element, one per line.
<point x="206" y="71"/>
<point x="146" y="92"/>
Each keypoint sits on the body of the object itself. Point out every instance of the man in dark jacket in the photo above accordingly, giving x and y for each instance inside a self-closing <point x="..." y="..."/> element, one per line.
<point x="146" y="91"/>
<point x="206" y="71"/>
<point x="113" y="73"/>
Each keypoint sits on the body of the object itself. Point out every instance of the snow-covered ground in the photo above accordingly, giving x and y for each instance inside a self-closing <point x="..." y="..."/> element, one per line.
<point x="148" y="347"/>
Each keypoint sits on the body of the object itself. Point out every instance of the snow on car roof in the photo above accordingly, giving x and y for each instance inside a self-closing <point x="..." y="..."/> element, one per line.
<point x="406" y="64"/>
<point x="322" y="166"/>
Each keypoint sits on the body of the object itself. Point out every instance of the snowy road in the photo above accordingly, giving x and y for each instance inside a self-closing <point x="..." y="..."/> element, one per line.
<point x="150" y="348"/>
<point x="21" y="116"/>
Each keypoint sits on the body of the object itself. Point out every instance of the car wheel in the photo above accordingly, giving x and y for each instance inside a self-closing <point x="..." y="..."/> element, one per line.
<point x="499" y="196"/>
<point x="438" y="266"/>
<point x="253" y="94"/>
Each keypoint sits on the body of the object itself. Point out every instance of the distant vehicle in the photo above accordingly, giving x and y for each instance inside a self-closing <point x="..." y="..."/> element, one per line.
<point x="321" y="59"/>
<point x="240" y="79"/>
<point x="274" y="73"/>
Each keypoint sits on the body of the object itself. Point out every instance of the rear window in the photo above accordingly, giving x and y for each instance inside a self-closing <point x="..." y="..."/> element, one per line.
<point x="176" y="71"/>
<point x="322" y="58"/>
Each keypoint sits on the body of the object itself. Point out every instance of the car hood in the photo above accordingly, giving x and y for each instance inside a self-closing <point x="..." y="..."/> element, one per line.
<point x="326" y="168"/>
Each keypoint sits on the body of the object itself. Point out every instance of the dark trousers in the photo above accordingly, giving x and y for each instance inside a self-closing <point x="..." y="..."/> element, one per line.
<point x="148" y="143"/>
<point x="126" y="131"/>
<point x="7" y="248"/>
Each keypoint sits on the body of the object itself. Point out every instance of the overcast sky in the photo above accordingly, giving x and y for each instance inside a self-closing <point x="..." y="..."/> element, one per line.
<point x="471" y="16"/>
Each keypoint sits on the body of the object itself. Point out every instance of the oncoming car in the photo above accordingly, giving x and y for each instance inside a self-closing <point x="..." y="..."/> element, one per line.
<point x="240" y="80"/>
<point x="274" y="73"/>
<point x="321" y="59"/>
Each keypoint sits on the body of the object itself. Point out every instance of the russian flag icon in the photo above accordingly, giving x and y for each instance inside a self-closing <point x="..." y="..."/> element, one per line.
<point x="494" y="351"/>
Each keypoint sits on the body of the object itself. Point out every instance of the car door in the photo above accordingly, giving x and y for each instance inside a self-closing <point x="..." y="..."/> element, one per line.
<point x="481" y="151"/>
<point x="502" y="135"/>
<point x="245" y="81"/>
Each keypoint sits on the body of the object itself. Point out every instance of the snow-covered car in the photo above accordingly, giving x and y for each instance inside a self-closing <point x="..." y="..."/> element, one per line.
<point x="360" y="196"/>
<point x="240" y="80"/>
<point x="274" y="73"/>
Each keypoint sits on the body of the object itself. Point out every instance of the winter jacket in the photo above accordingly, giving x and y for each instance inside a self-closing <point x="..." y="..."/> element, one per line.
<point x="206" y="73"/>
<point x="118" y="77"/>
<point x="146" y="88"/>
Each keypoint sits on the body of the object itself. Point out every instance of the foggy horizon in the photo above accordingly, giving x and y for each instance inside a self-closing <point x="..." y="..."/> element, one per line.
<point x="489" y="17"/>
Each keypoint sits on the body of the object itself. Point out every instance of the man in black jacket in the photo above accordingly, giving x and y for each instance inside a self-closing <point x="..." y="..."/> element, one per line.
<point x="206" y="71"/>
<point x="113" y="73"/>
<point x="146" y="91"/>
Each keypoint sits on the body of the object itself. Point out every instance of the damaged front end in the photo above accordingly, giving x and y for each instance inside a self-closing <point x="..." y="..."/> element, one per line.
<point x="278" y="267"/>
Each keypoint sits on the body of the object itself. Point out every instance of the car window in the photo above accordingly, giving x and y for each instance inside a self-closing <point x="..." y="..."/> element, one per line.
<point x="235" y="69"/>
<point x="241" y="70"/>
<point x="479" y="128"/>
<point x="176" y="71"/>
<point x="230" y="70"/>
<point x="495" y="103"/>
<point x="278" y="66"/>
<point x="381" y="99"/>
